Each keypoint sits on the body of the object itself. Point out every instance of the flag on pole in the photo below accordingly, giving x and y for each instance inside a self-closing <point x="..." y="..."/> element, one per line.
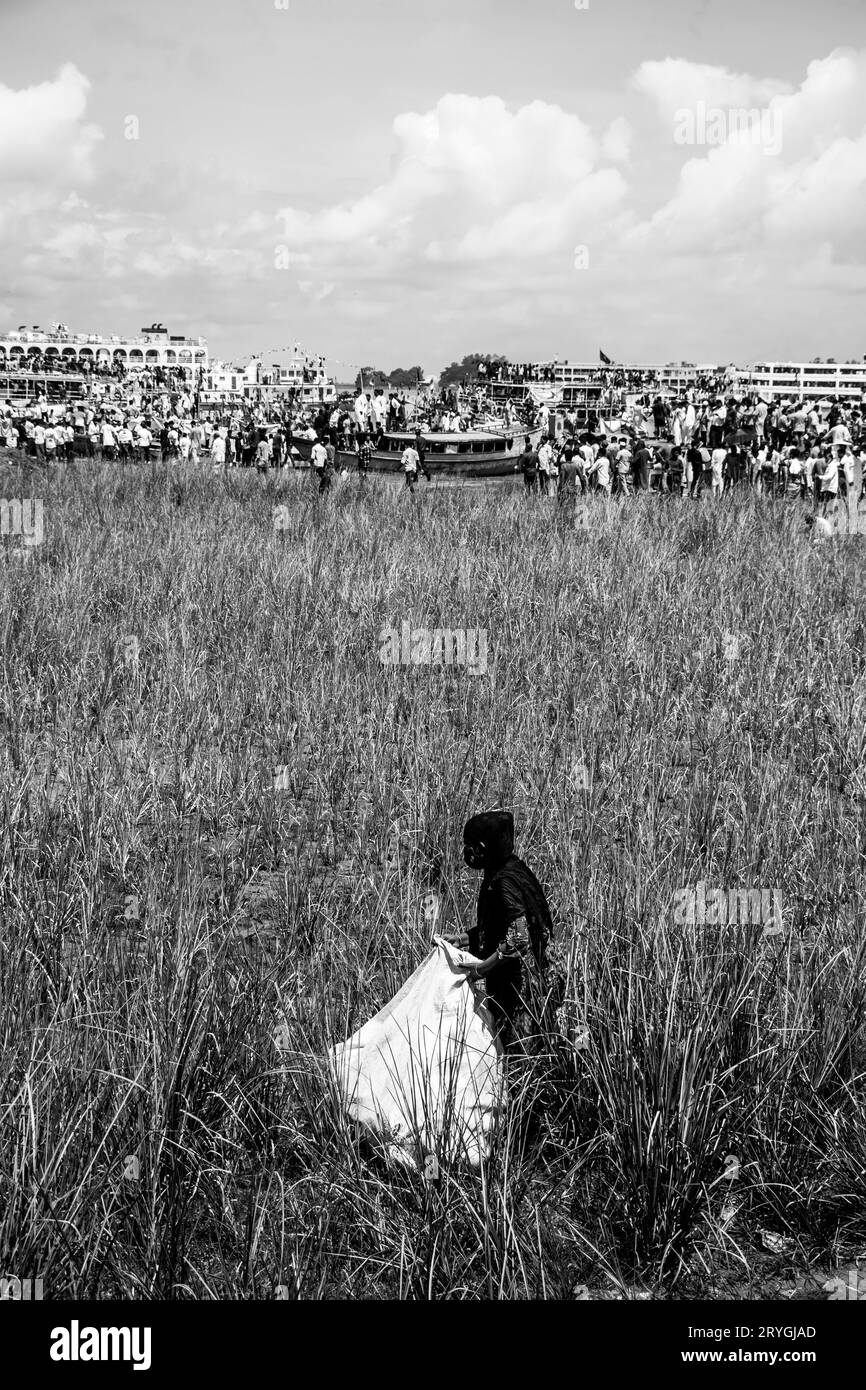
<point x="603" y="357"/>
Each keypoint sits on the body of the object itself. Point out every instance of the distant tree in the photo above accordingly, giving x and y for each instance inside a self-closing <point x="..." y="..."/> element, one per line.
<point x="467" y="370"/>
<point x="401" y="379"/>
<point x="405" y="378"/>
<point x="373" y="378"/>
<point x="831" y="361"/>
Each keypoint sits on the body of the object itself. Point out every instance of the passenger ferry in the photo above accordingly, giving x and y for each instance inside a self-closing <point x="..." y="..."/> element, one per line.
<point x="473" y="454"/>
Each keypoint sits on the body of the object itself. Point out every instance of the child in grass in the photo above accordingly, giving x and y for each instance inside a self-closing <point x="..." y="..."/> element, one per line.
<point x="512" y="931"/>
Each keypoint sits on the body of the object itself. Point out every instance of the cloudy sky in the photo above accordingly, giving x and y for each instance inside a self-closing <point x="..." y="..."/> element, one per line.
<point x="402" y="181"/>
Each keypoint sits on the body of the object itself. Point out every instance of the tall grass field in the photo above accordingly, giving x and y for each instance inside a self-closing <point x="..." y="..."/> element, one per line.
<point x="223" y="816"/>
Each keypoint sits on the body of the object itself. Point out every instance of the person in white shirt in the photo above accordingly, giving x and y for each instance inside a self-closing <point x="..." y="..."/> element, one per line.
<point x="840" y="434"/>
<point x="321" y="465"/>
<point x="143" y="441"/>
<point x="717" y="463"/>
<point x="218" y="451"/>
<point x="717" y="424"/>
<point x="39" y="441"/>
<point x="623" y="466"/>
<point x="811" y="463"/>
<point x="600" y="469"/>
<point x="547" y="467"/>
<point x="410" y="463"/>
<point x="380" y="411"/>
<point x="362" y="411"/>
<point x="588" y="454"/>
<point x="109" y="441"/>
<point x="829" y="477"/>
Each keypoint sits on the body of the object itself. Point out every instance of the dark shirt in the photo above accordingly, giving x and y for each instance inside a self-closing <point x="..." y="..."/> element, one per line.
<point x="569" y="472"/>
<point x="529" y="462"/>
<point x="508" y="893"/>
<point x="643" y="461"/>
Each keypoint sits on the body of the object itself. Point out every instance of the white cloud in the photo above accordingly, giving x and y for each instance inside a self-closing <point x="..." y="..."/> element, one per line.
<point x="472" y="179"/>
<point x="617" y="140"/>
<point x="737" y="196"/>
<point x="676" y="83"/>
<point x="477" y="223"/>
<point x="43" y="135"/>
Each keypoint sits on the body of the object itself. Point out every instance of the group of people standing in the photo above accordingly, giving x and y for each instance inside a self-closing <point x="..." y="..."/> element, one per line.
<point x="778" y="450"/>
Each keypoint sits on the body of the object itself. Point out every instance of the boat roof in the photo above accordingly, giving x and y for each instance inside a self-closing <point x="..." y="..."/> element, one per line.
<point x="449" y="436"/>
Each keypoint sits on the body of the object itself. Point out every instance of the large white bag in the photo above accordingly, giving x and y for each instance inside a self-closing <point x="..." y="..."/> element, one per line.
<point x="426" y="1072"/>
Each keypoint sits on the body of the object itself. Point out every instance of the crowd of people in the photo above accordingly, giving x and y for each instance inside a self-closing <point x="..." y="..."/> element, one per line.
<point x="516" y="372"/>
<point x="119" y="418"/>
<point x="90" y="371"/>
<point x="702" y="441"/>
<point x="781" y="449"/>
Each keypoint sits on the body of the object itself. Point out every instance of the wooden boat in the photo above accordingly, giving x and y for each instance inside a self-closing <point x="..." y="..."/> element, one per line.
<point x="473" y="454"/>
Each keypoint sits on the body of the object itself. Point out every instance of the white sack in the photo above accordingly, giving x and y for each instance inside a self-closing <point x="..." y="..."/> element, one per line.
<point x="426" y="1072"/>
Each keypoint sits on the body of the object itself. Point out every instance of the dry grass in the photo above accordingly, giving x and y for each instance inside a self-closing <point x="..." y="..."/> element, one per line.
<point x="152" y="1139"/>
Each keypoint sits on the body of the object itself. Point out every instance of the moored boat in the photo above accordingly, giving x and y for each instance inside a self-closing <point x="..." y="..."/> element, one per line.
<point x="469" y="454"/>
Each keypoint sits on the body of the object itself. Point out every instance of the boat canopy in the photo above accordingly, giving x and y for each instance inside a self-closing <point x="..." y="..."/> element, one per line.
<point x="449" y="436"/>
<point x="470" y="442"/>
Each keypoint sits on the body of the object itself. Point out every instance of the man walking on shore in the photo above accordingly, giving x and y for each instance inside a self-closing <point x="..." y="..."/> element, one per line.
<point x="319" y="464"/>
<point x="528" y="466"/>
<point x="365" y="457"/>
<point x="409" y="464"/>
<point x="263" y="454"/>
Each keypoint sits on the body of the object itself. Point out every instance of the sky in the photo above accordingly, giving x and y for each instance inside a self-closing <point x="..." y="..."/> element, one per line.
<point x="399" y="183"/>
